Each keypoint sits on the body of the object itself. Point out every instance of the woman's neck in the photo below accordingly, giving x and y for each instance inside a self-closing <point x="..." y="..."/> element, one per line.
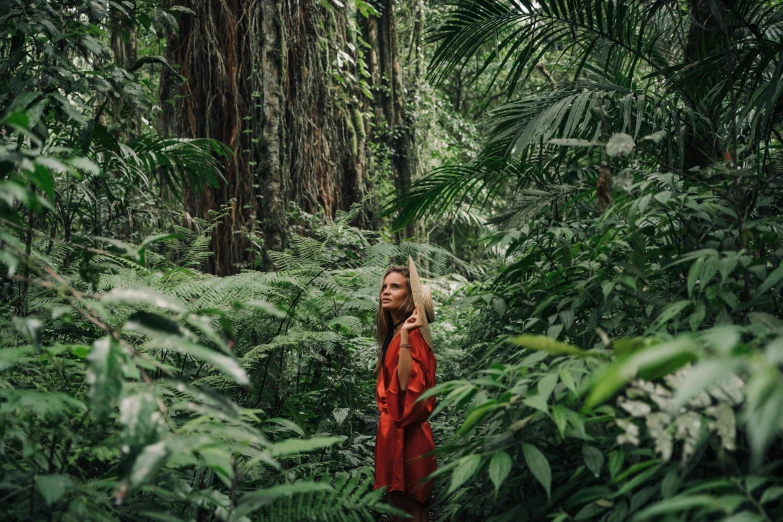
<point x="396" y="319"/>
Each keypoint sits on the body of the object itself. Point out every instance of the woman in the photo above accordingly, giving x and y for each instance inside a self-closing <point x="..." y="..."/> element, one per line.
<point x="406" y="368"/>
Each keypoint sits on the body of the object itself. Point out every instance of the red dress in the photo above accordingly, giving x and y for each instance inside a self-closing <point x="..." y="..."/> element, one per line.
<point x="404" y="434"/>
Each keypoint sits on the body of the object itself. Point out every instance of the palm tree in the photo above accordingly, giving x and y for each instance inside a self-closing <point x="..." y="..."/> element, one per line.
<point x="704" y="74"/>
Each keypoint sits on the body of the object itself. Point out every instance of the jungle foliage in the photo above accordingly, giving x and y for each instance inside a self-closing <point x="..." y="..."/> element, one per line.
<point x="611" y="351"/>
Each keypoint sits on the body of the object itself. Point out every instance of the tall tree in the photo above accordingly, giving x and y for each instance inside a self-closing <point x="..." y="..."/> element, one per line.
<point x="258" y="76"/>
<point x="386" y="72"/>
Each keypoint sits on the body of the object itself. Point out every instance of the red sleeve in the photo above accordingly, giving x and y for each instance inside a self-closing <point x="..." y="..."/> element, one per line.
<point x="403" y="408"/>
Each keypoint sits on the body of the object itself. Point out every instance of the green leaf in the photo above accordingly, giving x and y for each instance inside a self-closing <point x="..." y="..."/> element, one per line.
<point x="546" y="385"/>
<point x="693" y="275"/>
<point x="705" y="375"/>
<point x="85" y="164"/>
<point x="142" y="425"/>
<point x="17" y="119"/>
<point x="80" y="351"/>
<point x="41" y="404"/>
<point x="670" y="311"/>
<point x="30" y="327"/>
<point x="652" y="362"/>
<point x="539" y="466"/>
<point x="568" y="379"/>
<point x="571" y="142"/>
<point x="771" y="280"/>
<point x="143" y="296"/>
<point x="466" y="468"/>
<point x="670" y="483"/>
<point x="678" y="505"/>
<point x="105" y="376"/>
<point x="148" y="463"/>
<point x="546" y="344"/>
<point x="499" y="468"/>
<point x="160" y="330"/>
<point x="270" y="308"/>
<point x="744" y="516"/>
<point x="619" y="144"/>
<point x="594" y="459"/>
<point x="219" y="460"/>
<point x="771" y="494"/>
<point x="254" y="500"/>
<point x="560" y="418"/>
<point x="53" y="487"/>
<point x="727" y="266"/>
<point x="287" y="424"/>
<point x="297" y="446"/>
<point x="478" y="413"/>
<point x="42" y="178"/>
<point x="655" y="137"/>
<point x="616" y="459"/>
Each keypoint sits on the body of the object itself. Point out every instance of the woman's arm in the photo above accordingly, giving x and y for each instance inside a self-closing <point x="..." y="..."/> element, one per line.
<point x="404" y="405"/>
<point x="405" y="360"/>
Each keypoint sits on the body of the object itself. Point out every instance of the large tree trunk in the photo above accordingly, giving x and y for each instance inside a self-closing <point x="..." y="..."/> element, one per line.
<point x="385" y="69"/>
<point x="704" y="38"/>
<point x="212" y="54"/>
<point x="123" y="46"/>
<point x="273" y="196"/>
<point x="259" y="79"/>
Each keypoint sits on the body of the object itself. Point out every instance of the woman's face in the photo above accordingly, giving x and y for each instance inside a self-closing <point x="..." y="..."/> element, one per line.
<point x="394" y="292"/>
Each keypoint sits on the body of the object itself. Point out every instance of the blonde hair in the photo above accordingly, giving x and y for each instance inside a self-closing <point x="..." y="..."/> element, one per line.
<point x="383" y="319"/>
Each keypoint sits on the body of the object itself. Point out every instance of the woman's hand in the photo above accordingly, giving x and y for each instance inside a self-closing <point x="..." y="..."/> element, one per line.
<point x="413" y="322"/>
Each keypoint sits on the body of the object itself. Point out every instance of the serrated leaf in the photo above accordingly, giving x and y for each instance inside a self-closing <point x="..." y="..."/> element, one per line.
<point x="269" y="308"/>
<point x="254" y="500"/>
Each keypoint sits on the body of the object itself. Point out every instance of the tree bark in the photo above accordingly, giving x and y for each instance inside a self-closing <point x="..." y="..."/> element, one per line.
<point x="382" y="35"/>
<point x="258" y="77"/>
<point x="273" y="198"/>
<point x="124" y="49"/>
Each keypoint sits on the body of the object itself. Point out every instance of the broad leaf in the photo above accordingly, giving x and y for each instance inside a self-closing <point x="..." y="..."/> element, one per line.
<point x="539" y="466"/>
<point x="499" y="468"/>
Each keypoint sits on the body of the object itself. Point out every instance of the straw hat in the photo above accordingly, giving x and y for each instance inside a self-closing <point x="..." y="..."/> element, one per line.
<point x="422" y="296"/>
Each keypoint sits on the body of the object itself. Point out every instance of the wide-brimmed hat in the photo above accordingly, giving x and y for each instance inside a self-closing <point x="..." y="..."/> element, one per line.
<point x="422" y="296"/>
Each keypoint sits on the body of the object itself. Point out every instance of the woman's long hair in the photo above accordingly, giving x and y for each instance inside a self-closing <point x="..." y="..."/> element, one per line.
<point x="384" y="324"/>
